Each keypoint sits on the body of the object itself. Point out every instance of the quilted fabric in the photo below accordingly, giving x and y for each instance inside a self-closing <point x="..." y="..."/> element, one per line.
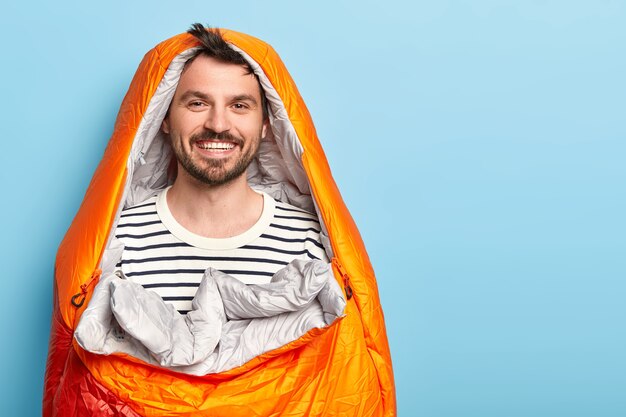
<point x="229" y="323"/>
<point x="343" y="369"/>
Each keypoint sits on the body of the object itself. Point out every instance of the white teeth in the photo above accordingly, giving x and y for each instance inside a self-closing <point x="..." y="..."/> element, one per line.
<point x="216" y="145"/>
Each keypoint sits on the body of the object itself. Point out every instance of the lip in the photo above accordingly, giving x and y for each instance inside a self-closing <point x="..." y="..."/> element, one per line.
<point x="215" y="153"/>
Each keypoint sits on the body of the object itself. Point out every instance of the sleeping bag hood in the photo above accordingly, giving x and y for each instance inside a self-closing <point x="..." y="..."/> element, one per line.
<point x="330" y="358"/>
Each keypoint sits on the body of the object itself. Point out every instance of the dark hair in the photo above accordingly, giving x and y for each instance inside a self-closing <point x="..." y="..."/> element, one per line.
<point x="213" y="45"/>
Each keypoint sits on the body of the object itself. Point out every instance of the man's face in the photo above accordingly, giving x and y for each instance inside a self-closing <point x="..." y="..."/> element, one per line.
<point x="215" y="121"/>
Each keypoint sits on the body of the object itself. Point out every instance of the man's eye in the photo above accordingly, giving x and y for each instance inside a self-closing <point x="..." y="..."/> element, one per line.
<point x="195" y="104"/>
<point x="240" y="106"/>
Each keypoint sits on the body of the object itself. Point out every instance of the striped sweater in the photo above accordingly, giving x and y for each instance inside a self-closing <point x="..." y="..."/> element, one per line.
<point x="168" y="259"/>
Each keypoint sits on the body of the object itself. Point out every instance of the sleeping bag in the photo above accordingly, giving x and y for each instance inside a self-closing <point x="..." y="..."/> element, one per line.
<point x="310" y="343"/>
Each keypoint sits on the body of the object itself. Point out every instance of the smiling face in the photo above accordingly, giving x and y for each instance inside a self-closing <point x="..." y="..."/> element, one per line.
<point x="215" y="121"/>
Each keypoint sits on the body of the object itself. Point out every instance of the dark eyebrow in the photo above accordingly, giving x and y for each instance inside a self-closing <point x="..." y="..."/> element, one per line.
<point x="193" y="93"/>
<point x="245" y="97"/>
<point x="199" y="94"/>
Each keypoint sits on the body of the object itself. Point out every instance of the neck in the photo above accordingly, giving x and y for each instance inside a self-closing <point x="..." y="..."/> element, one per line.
<point x="216" y="211"/>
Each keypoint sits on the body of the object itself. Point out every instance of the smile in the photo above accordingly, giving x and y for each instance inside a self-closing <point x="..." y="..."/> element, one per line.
<point x="215" y="146"/>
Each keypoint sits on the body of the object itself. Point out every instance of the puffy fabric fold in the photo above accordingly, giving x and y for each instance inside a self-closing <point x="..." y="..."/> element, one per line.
<point x="123" y="317"/>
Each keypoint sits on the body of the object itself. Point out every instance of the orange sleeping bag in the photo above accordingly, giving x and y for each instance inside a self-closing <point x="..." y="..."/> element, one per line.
<point x="343" y="369"/>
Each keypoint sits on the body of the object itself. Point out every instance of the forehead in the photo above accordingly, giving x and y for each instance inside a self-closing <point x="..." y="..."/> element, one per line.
<point x="211" y="76"/>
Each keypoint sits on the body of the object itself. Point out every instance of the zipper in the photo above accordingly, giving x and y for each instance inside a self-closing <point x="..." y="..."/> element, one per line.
<point x="344" y="277"/>
<point x="78" y="299"/>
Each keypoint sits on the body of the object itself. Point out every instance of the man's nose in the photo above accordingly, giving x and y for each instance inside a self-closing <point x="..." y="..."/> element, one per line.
<point x="217" y="120"/>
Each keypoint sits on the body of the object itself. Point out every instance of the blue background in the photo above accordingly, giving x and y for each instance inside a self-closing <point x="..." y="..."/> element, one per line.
<point x="479" y="145"/>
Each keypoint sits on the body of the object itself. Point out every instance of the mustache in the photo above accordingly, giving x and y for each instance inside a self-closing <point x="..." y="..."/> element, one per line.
<point x="209" y="134"/>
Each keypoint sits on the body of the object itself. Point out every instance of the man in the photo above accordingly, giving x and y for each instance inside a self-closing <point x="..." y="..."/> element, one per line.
<point x="205" y="171"/>
<point x="211" y="216"/>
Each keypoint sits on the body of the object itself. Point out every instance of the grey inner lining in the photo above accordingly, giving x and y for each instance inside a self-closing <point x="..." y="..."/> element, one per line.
<point x="230" y="322"/>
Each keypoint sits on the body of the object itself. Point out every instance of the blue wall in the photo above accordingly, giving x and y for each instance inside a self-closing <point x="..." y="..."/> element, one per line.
<point x="479" y="145"/>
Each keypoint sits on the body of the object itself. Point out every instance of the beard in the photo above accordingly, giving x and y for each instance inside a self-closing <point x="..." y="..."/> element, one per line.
<point x="215" y="171"/>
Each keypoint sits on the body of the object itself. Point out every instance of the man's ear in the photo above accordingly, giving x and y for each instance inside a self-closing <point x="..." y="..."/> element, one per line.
<point x="165" y="125"/>
<point x="266" y="125"/>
